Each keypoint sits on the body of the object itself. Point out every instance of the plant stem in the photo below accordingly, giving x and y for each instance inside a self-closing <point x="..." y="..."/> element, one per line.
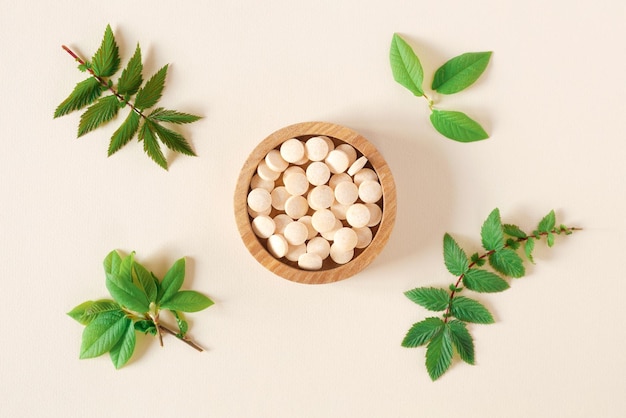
<point x="184" y="339"/>
<point x="446" y="315"/>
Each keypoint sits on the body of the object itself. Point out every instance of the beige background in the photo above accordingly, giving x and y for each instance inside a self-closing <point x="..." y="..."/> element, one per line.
<point x="552" y="98"/>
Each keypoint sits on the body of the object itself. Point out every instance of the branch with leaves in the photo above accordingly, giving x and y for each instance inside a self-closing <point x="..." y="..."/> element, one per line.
<point x="449" y="333"/>
<point x="140" y="121"/>
<point x="139" y="298"/>
<point x="452" y="77"/>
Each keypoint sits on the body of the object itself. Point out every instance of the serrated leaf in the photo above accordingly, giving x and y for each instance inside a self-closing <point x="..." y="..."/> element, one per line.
<point x="151" y="146"/>
<point x="131" y="77"/>
<point x="85" y="93"/>
<point x="460" y="72"/>
<point x="421" y="332"/>
<point x="172" y="116"/>
<point x="548" y="222"/>
<point x="484" y="281"/>
<point x="439" y="353"/>
<point x="151" y="92"/>
<point x="470" y="310"/>
<point x="103" y="333"/>
<point x="124" y="348"/>
<point x="528" y="249"/>
<point x="172" y="281"/>
<point x="127" y="294"/>
<point x="431" y="298"/>
<point x="124" y="133"/>
<point x="172" y="140"/>
<point x="507" y="262"/>
<point x="405" y="66"/>
<point x="187" y="301"/>
<point x="550" y="239"/>
<point x="454" y="257"/>
<point x="462" y="340"/>
<point x="112" y="263"/>
<point x="491" y="233"/>
<point x="143" y="280"/>
<point x="106" y="60"/>
<point x="457" y="126"/>
<point x="512" y="243"/>
<point x="98" y="113"/>
<point x="514" y="231"/>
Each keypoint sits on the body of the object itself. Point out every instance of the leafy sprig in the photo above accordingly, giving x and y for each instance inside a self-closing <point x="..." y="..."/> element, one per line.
<point x="448" y="334"/>
<point x="140" y="121"/>
<point x="139" y="298"/>
<point x="452" y="77"/>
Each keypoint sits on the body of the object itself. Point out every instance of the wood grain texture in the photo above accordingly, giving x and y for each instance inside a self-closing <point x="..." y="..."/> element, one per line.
<point x="330" y="272"/>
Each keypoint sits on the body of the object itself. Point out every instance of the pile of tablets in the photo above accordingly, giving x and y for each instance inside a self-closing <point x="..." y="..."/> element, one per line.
<point x="313" y="199"/>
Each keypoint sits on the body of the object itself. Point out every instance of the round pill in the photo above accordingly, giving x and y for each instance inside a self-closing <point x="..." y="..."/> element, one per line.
<point x="345" y="239"/>
<point x="279" y="197"/>
<point x="296" y="207"/>
<point x="321" y="197"/>
<point x="310" y="261"/>
<point x="296" y="233"/>
<point x="339" y="210"/>
<point x="302" y="161"/>
<point x="337" y="161"/>
<point x="365" y="174"/>
<point x="329" y="142"/>
<point x="281" y="221"/>
<point x="277" y="245"/>
<point x="266" y="173"/>
<point x="316" y="148"/>
<point x="292" y="150"/>
<point x="258" y="182"/>
<point x="357" y="165"/>
<point x="335" y="179"/>
<point x="296" y="184"/>
<point x="317" y="173"/>
<point x="307" y="220"/>
<point x="364" y="237"/>
<point x="319" y="246"/>
<point x="295" y="251"/>
<point x="330" y="235"/>
<point x="370" y="191"/>
<point x="323" y="220"/>
<point x="346" y="193"/>
<point x="292" y="170"/>
<point x="350" y="152"/>
<point x="275" y="161"/>
<point x="253" y="214"/>
<point x="376" y="214"/>
<point x="263" y="226"/>
<point x="339" y="255"/>
<point x="259" y="200"/>
<point x="358" y="215"/>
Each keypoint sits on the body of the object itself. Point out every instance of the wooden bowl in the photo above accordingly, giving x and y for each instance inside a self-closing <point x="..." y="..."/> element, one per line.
<point x="330" y="272"/>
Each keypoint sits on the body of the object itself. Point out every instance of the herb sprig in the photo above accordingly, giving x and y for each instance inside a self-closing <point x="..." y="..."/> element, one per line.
<point x="452" y="77"/>
<point x="448" y="333"/>
<point x="139" y="298"/>
<point x="148" y="126"/>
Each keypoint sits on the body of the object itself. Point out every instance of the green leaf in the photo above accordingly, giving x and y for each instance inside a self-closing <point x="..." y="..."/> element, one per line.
<point x="85" y="92"/>
<point x="405" y="66"/>
<point x="106" y="60"/>
<point x="514" y="231"/>
<point x="172" y="116"/>
<point x="124" y="133"/>
<point x="131" y="77"/>
<point x="439" y="353"/>
<point x="151" y="92"/>
<point x="183" y="326"/>
<point x="123" y="350"/>
<point x="98" y="113"/>
<point x="454" y="257"/>
<point x="431" y="298"/>
<point x="460" y="72"/>
<point x="507" y="262"/>
<point x="512" y="243"/>
<point x="528" y="249"/>
<point x="484" y="281"/>
<point x="491" y="233"/>
<point x="103" y="333"/>
<point x="146" y="326"/>
<point x="548" y="222"/>
<point x="470" y="310"/>
<point x="457" y="126"/>
<point x="112" y="263"/>
<point x="127" y="294"/>
<point x="172" y="281"/>
<point x="187" y="301"/>
<point x="171" y="139"/>
<point x="88" y="311"/>
<point x="462" y="340"/>
<point x="143" y="280"/>
<point x="550" y="239"/>
<point x="151" y="146"/>
<point x="421" y="332"/>
<point x="478" y="260"/>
